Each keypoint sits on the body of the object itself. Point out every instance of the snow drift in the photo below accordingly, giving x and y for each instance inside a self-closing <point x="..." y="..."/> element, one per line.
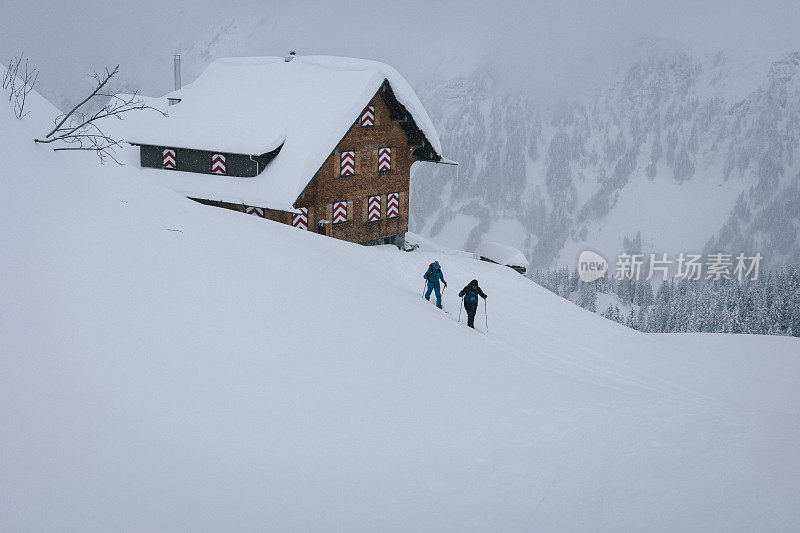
<point x="171" y="366"/>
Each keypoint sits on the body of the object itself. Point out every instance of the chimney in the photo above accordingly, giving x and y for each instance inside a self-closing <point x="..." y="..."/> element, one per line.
<point x="177" y="60"/>
<point x="290" y="56"/>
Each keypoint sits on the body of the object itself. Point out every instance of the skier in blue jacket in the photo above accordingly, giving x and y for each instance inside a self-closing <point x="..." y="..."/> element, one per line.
<point x="433" y="275"/>
<point x="470" y="294"/>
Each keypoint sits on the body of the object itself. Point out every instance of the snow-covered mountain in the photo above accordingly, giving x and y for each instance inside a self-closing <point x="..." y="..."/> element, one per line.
<point x="696" y="152"/>
<point x="170" y="366"/>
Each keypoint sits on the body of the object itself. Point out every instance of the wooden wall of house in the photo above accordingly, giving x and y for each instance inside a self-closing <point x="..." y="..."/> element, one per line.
<point x="329" y="186"/>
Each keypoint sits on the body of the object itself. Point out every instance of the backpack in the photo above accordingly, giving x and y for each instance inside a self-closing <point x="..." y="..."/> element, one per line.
<point x="430" y="273"/>
<point x="471" y="295"/>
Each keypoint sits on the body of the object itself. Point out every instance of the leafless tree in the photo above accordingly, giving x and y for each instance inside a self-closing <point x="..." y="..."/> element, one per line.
<point x="81" y="130"/>
<point x="18" y="84"/>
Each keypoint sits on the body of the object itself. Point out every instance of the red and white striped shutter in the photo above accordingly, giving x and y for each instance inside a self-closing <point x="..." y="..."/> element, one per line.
<point x="300" y="220"/>
<point x="168" y="158"/>
<point x="384" y="159"/>
<point x="374" y="208"/>
<point x="339" y="212"/>
<point x="368" y="117"/>
<point x="393" y="205"/>
<point x="348" y="167"/>
<point x="257" y="211"/>
<point x="218" y="164"/>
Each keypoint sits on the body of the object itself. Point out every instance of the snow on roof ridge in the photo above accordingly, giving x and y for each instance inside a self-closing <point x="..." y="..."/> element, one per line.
<point x="400" y="86"/>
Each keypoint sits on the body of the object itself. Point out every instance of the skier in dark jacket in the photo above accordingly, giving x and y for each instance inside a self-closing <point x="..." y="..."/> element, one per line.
<point x="433" y="275"/>
<point x="470" y="294"/>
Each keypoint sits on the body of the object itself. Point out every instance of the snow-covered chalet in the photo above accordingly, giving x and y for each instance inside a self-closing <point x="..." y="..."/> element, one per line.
<point x="322" y="143"/>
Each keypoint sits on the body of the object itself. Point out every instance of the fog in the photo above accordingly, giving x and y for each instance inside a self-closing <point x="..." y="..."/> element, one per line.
<point x="550" y="48"/>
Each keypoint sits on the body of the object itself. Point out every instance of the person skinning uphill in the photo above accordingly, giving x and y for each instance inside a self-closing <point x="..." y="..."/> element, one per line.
<point x="470" y="294"/>
<point x="432" y="276"/>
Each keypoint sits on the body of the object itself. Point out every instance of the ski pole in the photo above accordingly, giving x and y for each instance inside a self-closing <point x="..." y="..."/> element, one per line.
<point x="485" y="315"/>
<point x="460" y="308"/>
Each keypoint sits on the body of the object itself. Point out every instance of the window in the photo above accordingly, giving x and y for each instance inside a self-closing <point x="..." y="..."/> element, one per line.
<point x="348" y="164"/>
<point x="368" y="117"/>
<point x="373" y="208"/>
<point x="218" y="164"/>
<point x="384" y="159"/>
<point x="339" y="212"/>
<point x="168" y="158"/>
<point x="393" y="205"/>
<point x="300" y="220"/>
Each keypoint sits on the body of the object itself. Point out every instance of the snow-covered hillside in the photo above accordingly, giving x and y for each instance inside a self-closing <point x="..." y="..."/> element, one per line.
<point x="169" y="366"/>
<point x="643" y="154"/>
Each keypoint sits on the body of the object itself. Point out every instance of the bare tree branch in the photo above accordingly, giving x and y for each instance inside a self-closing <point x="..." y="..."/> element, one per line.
<point x="100" y="85"/>
<point x="19" y="85"/>
<point x="81" y="131"/>
<point x="28" y="81"/>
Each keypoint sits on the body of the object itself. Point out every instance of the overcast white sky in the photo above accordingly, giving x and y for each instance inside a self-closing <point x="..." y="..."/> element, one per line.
<point x="549" y="45"/>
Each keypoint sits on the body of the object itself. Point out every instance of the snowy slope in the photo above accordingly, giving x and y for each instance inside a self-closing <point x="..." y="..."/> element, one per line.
<point x="171" y="366"/>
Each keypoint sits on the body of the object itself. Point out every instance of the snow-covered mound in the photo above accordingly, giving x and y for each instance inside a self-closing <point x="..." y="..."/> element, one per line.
<point x="169" y="366"/>
<point x="502" y="254"/>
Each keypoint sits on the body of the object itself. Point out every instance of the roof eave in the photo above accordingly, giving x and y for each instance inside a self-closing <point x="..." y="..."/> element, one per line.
<point x="275" y="150"/>
<point x="398" y="111"/>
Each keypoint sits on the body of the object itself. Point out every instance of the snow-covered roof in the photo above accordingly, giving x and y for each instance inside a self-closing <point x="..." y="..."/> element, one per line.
<point x="502" y="254"/>
<point x="254" y="105"/>
<point x="159" y="103"/>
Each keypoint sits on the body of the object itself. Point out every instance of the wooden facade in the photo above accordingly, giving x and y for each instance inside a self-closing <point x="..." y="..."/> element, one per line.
<point x="329" y="186"/>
